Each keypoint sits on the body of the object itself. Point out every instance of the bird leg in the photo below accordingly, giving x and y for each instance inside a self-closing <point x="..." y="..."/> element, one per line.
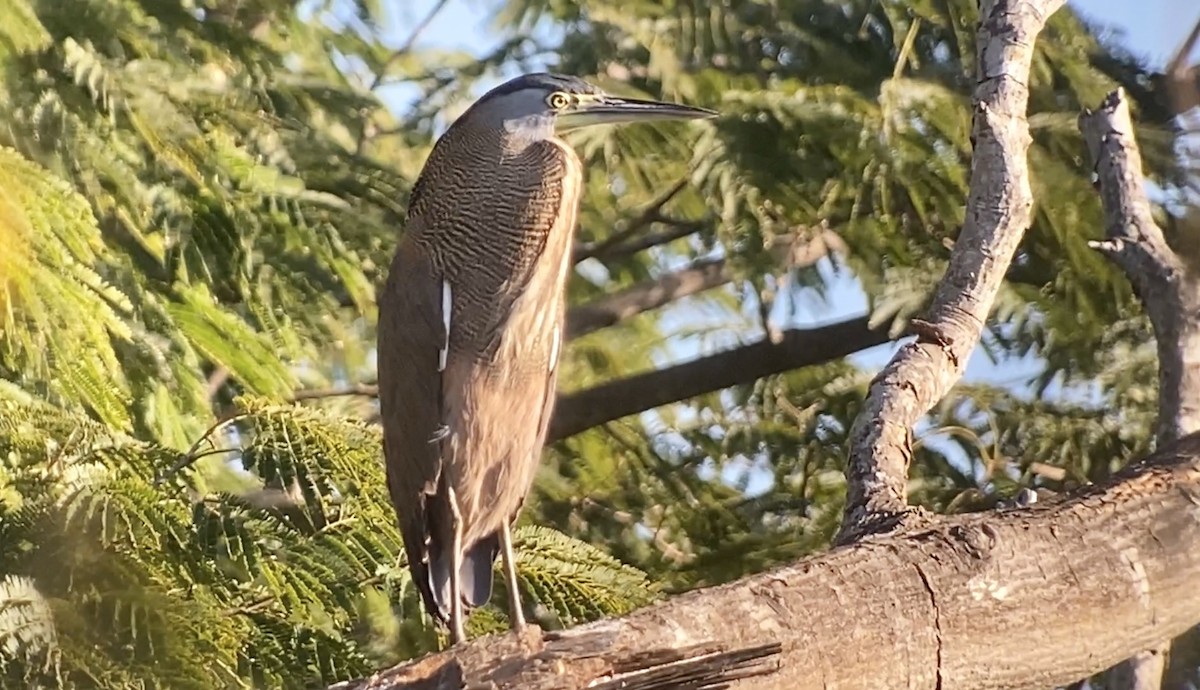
<point x="516" y="616"/>
<point x="456" y="600"/>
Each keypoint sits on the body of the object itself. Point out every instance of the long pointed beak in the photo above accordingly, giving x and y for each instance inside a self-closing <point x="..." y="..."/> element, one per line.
<point x="610" y="110"/>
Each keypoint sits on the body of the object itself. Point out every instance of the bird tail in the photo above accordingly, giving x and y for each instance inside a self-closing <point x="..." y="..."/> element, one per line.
<point x="474" y="575"/>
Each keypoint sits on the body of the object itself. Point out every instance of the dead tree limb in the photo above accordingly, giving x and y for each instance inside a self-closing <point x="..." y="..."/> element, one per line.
<point x="1169" y="294"/>
<point x="1021" y="598"/>
<point x="998" y="213"/>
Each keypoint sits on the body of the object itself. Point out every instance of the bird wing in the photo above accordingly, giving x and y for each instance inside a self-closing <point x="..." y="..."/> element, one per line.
<point x="411" y="339"/>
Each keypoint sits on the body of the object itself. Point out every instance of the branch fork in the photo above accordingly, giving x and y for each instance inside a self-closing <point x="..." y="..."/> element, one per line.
<point x="998" y="213"/>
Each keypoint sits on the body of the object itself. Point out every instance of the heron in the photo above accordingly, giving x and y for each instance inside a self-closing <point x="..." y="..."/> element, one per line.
<point x="471" y="324"/>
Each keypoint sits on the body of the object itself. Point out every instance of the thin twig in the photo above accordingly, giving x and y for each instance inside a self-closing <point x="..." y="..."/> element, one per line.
<point x="400" y="52"/>
<point x="192" y="454"/>
<point x="406" y="47"/>
<point x="362" y="389"/>
<point x="650" y="213"/>
<point x="676" y="229"/>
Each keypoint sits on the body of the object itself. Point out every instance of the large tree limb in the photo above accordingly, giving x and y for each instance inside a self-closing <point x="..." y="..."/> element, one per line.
<point x="576" y="412"/>
<point x="1169" y="294"/>
<point x="1021" y="598"/>
<point x="998" y="213"/>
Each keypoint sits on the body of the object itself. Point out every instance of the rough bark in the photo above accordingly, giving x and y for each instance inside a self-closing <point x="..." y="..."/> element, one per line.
<point x="998" y="213"/>
<point x="1031" y="597"/>
<point x="1169" y="294"/>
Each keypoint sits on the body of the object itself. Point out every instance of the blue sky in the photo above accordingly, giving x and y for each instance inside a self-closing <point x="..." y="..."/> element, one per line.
<point x="1152" y="27"/>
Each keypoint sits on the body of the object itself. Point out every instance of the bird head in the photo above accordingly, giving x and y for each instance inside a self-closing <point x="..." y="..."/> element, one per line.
<point x="539" y="105"/>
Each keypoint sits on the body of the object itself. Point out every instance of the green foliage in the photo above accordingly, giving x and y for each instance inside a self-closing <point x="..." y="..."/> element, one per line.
<point x="187" y="219"/>
<point x="125" y="567"/>
<point x="230" y="219"/>
<point x="52" y="244"/>
<point x="575" y="580"/>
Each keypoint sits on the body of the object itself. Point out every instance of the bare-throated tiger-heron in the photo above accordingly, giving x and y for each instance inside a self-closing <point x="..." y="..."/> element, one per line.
<point x="471" y="324"/>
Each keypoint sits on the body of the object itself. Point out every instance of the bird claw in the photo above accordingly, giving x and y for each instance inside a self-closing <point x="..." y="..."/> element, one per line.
<point x="440" y="434"/>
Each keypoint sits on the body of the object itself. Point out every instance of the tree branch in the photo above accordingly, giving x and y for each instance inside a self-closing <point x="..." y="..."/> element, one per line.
<point x="998" y="213"/>
<point x="365" y="389"/>
<point x="1023" y="597"/>
<point x="404" y="49"/>
<point x="645" y="296"/>
<point x="1170" y="296"/>
<point x="650" y="213"/>
<point x="703" y="275"/>
<point x="1168" y="292"/>
<point x="793" y="252"/>
<point x="408" y="44"/>
<point x="1182" y="81"/>
<point x="676" y="229"/>
<point x="577" y="412"/>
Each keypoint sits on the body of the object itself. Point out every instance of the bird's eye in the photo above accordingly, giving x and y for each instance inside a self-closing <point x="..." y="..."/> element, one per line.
<point x="558" y="100"/>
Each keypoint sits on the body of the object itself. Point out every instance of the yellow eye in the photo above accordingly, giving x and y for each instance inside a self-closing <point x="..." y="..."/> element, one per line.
<point x="558" y="100"/>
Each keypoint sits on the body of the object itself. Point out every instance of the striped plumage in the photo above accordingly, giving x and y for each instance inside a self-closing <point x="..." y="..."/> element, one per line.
<point x="470" y="330"/>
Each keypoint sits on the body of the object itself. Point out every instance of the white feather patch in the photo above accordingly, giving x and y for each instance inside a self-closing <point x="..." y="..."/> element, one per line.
<point x="447" y="307"/>
<point x="554" y="344"/>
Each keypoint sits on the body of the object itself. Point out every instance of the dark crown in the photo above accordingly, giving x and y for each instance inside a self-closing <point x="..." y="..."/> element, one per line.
<point x="542" y="80"/>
